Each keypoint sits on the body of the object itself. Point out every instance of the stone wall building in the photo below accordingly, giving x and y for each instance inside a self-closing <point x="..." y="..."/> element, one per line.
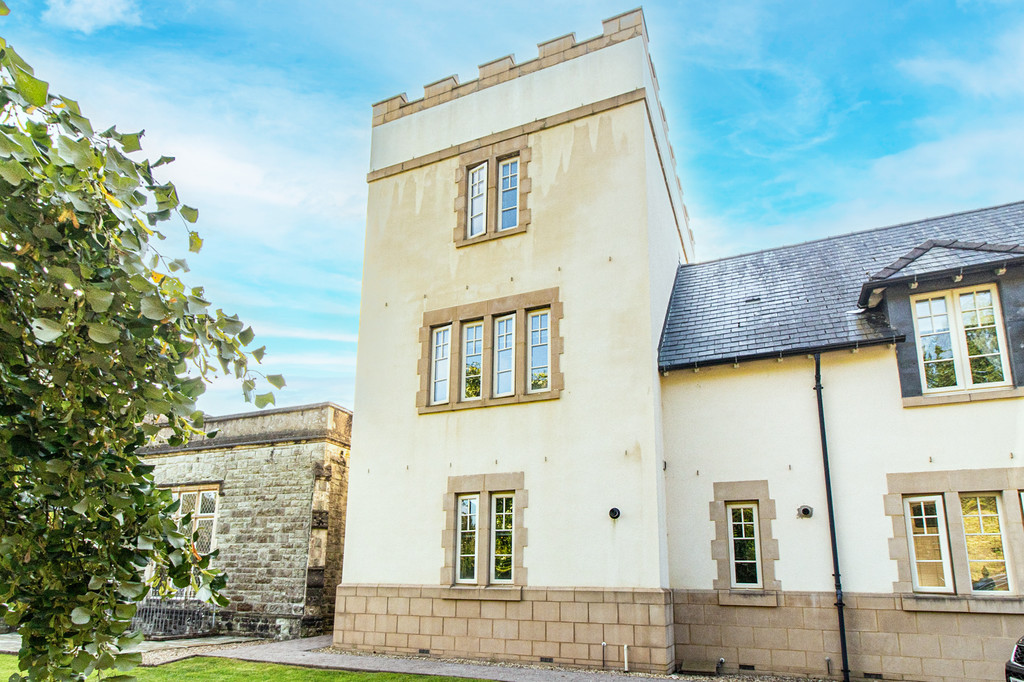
<point x="269" y="492"/>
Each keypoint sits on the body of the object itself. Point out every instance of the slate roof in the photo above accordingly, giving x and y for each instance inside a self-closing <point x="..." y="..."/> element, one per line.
<point x="804" y="297"/>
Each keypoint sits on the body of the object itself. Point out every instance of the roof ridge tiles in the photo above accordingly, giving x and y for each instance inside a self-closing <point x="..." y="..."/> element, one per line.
<point x="926" y="246"/>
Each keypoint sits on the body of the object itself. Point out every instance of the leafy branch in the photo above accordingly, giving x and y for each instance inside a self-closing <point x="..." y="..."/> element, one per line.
<point x="102" y="349"/>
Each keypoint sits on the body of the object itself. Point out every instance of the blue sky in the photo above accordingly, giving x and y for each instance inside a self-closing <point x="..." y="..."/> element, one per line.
<point x="790" y="121"/>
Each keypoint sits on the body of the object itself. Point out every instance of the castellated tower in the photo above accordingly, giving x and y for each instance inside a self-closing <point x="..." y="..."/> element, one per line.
<point x="506" y="495"/>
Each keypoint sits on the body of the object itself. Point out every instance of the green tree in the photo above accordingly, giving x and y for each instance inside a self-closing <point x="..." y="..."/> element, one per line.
<point x="102" y="348"/>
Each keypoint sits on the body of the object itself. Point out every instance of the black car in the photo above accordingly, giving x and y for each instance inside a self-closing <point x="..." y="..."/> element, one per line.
<point x="1015" y="666"/>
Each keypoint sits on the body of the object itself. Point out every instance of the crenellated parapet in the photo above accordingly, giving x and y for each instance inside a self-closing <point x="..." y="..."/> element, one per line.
<point x="555" y="51"/>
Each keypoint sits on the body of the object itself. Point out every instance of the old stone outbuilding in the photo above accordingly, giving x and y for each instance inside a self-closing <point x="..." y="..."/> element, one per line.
<point x="269" y="492"/>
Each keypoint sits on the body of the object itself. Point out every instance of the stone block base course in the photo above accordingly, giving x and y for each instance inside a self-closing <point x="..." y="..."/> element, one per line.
<point x="884" y="636"/>
<point x="890" y="636"/>
<point x="566" y="626"/>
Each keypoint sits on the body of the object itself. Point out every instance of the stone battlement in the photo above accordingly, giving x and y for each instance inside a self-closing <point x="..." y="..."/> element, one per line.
<point x="555" y="51"/>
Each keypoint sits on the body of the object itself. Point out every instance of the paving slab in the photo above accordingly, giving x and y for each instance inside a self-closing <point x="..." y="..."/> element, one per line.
<point x="10" y="643"/>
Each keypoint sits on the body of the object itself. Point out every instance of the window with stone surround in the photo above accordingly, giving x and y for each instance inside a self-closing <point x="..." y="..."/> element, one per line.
<point x="201" y="502"/>
<point x="493" y="186"/>
<point x="953" y="537"/>
<point x="744" y="548"/>
<point x="507" y="352"/>
<point x="484" y="535"/>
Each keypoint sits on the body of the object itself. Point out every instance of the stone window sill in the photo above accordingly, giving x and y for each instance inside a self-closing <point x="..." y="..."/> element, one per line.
<point x="476" y="593"/>
<point x="552" y="394"/>
<point x="748" y="598"/>
<point x="489" y="236"/>
<point x="963" y="604"/>
<point x="964" y="397"/>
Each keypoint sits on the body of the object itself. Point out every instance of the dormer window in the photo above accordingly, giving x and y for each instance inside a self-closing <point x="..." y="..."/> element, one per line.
<point x="960" y="339"/>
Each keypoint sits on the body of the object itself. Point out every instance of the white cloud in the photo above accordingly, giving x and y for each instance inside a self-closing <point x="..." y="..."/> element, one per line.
<point x="89" y="15"/>
<point x="1000" y="74"/>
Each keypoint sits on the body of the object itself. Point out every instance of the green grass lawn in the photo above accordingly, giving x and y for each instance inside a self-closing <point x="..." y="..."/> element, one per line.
<point x="222" y="669"/>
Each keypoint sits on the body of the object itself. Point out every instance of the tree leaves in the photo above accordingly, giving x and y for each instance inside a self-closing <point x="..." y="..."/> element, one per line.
<point x="31" y="88"/>
<point x="246" y="336"/>
<point x="153" y="308"/>
<point x="130" y="142"/>
<point x="47" y="330"/>
<point x="13" y="172"/>
<point x="103" y="333"/>
<point x="102" y="349"/>
<point x="99" y="299"/>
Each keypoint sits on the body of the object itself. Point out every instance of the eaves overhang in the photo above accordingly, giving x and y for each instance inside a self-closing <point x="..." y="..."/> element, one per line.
<point x="780" y="354"/>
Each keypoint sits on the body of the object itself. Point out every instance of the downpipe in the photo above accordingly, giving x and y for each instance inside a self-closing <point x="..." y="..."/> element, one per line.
<point x="831" y="519"/>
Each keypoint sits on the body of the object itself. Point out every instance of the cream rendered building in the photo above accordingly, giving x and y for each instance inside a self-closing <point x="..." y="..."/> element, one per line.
<point x="547" y="467"/>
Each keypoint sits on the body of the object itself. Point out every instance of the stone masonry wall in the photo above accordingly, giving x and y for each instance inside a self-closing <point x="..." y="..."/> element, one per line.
<point x="267" y="470"/>
<point x="561" y="626"/>
<point x="886" y="638"/>
<point x="338" y="499"/>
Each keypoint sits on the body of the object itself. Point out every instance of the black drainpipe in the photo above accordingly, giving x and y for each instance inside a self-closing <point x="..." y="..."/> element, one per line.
<point x="831" y="518"/>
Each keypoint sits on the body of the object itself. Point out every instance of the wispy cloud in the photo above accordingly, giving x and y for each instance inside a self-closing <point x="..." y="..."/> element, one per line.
<point x="278" y="332"/>
<point x="91" y="15"/>
<point x="960" y="170"/>
<point x="1000" y="74"/>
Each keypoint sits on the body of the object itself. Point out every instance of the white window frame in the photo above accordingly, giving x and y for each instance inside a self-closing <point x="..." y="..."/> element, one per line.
<point x="958" y="339"/>
<point x="459" y="533"/>
<point x="197" y="514"/>
<point x="477" y="189"/>
<point x="510" y="348"/>
<point x="465" y="355"/>
<point x="729" y="507"/>
<point x="530" y="345"/>
<point x="494" y="535"/>
<point x="440" y="363"/>
<point x="1002" y="540"/>
<point x="514" y="188"/>
<point x="947" y="569"/>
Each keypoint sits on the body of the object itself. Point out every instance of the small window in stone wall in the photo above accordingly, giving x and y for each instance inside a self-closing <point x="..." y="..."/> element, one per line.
<point x="201" y="502"/>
